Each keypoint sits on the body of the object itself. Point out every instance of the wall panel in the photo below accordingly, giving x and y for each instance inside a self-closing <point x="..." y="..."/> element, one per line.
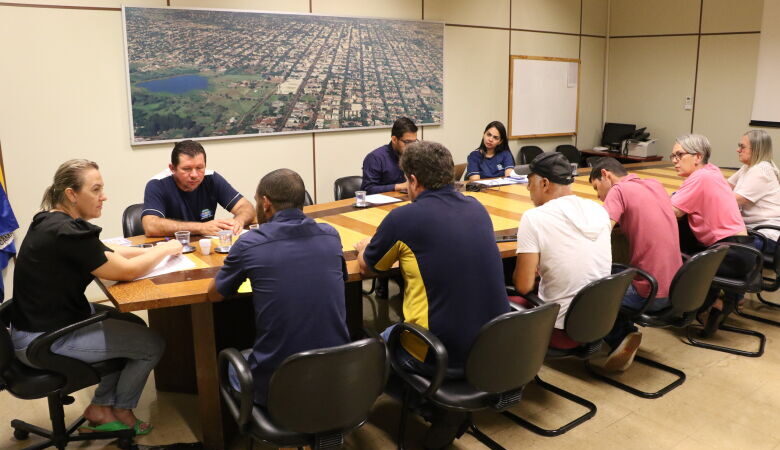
<point x="642" y="17"/>
<point x="562" y="16"/>
<point x="719" y="16"/>
<point x="487" y="13"/>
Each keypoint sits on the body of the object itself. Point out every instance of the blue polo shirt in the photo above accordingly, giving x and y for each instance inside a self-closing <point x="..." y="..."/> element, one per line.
<point x="485" y="167"/>
<point x="297" y="271"/>
<point x="164" y="199"/>
<point x="453" y="274"/>
<point x="381" y="171"/>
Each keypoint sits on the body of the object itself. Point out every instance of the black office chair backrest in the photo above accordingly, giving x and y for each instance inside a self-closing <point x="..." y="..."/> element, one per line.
<point x="131" y="220"/>
<point x="692" y="281"/>
<point x="345" y="187"/>
<point x="510" y="349"/>
<point x="527" y="153"/>
<point x="593" y="310"/>
<point x="570" y="152"/>
<point x="307" y="200"/>
<point x="328" y="389"/>
<point x="6" y="346"/>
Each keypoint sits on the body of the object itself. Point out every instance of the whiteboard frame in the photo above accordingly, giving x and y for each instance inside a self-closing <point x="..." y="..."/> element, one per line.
<point x="511" y="99"/>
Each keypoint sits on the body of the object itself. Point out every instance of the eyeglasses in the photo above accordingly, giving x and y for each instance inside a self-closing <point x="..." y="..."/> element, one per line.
<point x="409" y="141"/>
<point x="676" y="156"/>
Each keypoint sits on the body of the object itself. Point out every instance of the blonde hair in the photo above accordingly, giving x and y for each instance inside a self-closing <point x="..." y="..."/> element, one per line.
<point x="761" y="149"/>
<point x="68" y="175"/>
<point x="696" y="144"/>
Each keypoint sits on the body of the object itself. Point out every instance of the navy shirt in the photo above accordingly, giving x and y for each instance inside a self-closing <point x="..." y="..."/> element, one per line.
<point x="297" y="271"/>
<point x="453" y="274"/>
<point x="164" y="199"/>
<point x="485" y="167"/>
<point x="381" y="171"/>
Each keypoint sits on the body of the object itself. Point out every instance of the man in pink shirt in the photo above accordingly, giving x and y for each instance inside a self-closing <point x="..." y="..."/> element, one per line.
<point x="644" y="213"/>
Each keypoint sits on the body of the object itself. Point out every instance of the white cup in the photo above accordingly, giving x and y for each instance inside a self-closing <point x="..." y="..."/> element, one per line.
<point x="205" y="246"/>
<point x="360" y="199"/>
<point x="254" y="226"/>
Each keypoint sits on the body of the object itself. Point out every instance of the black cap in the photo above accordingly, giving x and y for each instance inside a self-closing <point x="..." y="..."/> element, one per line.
<point x="551" y="165"/>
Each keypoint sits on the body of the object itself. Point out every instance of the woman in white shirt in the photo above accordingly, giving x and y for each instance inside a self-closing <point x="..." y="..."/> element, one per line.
<point x="756" y="186"/>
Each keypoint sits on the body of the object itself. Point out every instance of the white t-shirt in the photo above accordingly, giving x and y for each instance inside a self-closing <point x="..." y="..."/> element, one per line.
<point x="572" y="236"/>
<point x="759" y="185"/>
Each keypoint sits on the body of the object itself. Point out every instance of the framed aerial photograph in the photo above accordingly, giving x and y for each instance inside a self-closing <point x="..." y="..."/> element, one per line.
<point x="203" y="73"/>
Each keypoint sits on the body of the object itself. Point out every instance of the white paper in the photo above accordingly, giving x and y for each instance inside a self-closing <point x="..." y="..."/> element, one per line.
<point x="117" y="241"/>
<point x="501" y="181"/>
<point x="380" y="199"/>
<point x="170" y="264"/>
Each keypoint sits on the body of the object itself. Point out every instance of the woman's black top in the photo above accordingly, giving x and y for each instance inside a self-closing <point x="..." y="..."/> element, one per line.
<point x="52" y="271"/>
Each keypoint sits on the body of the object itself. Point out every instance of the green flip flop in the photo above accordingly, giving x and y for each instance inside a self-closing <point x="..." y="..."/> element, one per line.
<point x="110" y="426"/>
<point x="142" y="431"/>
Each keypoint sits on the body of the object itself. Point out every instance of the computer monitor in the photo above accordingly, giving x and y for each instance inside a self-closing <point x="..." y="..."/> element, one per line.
<point x="614" y="133"/>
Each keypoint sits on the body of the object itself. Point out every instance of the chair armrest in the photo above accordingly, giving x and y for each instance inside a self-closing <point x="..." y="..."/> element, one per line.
<point x="631" y="313"/>
<point x="534" y="299"/>
<point x="114" y="313"/>
<point x="77" y="373"/>
<point x="434" y="345"/>
<point x="243" y="411"/>
<point x="754" y="275"/>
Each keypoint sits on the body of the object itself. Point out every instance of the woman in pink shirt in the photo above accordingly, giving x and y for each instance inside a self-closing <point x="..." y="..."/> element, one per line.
<point x="706" y="200"/>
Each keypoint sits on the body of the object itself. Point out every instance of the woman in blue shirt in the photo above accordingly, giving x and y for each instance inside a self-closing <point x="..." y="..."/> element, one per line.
<point x="492" y="159"/>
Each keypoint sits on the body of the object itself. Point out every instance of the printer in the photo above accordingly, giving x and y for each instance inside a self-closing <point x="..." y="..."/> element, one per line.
<point x="633" y="147"/>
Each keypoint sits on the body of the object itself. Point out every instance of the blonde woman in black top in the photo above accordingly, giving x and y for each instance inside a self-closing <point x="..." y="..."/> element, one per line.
<point x="60" y="255"/>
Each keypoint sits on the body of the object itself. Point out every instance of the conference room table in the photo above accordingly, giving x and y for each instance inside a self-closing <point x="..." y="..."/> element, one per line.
<point x="196" y="329"/>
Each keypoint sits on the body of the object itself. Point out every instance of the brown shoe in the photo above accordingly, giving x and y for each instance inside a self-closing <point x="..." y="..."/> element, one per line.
<point x="621" y="358"/>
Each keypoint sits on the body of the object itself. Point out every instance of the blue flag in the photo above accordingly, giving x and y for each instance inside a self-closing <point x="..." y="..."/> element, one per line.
<point x="8" y="225"/>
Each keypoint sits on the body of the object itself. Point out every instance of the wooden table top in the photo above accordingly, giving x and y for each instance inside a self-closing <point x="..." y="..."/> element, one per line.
<point x="505" y="205"/>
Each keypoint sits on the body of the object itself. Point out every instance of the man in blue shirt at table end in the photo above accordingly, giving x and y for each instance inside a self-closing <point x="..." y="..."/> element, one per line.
<point x="297" y="271"/>
<point x="381" y="172"/>
<point x="184" y="197"/>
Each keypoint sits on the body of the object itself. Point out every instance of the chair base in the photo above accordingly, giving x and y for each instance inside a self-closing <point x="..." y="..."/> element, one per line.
<point x="734" y="351"/>
<point x="483" y="438"/>
<point x="679" y="374"/>
<point x="767" y="302"/>
<point x="561" y="430"/>
<point x="22" y="430"/>
<point x="749" y="316"/>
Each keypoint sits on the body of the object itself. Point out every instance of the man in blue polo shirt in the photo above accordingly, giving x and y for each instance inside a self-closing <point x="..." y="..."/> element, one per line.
<point x="381" y="172"/>
<point x="185" y="197"/>
<point x="450" y="263"/>
<point x="286" y="259"/>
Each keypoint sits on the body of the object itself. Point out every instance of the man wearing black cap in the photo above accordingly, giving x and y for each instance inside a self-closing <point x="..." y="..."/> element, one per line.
<point x="566" y="238"/>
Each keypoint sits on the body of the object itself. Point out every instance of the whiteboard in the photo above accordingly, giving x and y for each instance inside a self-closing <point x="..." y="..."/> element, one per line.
<point x="543" y="96"/>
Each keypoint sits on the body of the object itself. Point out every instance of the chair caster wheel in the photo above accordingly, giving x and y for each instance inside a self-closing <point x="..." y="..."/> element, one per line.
<point x="20" y="435"/>
<point x="127" y="444"/>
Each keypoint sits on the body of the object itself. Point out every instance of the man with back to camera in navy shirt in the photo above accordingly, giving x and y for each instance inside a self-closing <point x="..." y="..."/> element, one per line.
<point x="381" y="172"/>
<point x="453" y="276"/>
<point x="286" y="259"/>
<point x="184" y="197"/>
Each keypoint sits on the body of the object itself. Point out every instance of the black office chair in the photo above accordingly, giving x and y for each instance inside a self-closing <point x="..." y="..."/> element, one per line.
<point x="590" y="317"/>
<point x="770" y="283"/>
<point x="505" y="356"/>
<point x="751" y="282"/>
<point x="56" y="378"/>
<point x="527" y="153"/>
<point x="314" y="397"/>
<point x="131" y="220"/>
<point x="570" y="152"/>
<point x="345" y="187"/>
<point x="687" y="293"/>
<point x="307" y="200"/>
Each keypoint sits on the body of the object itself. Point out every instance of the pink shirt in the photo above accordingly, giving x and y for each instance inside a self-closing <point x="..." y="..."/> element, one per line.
<point x="712" y="210"/>
<point x="645" y="214"/>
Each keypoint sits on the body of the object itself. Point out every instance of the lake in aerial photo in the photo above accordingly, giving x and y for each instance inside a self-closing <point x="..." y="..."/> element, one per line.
<point x="176" y="85"/>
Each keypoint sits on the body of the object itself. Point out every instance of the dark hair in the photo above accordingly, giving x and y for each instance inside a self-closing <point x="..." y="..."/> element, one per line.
<point x="606" y="163"/>
<point x="283" y="188"/>
<point x="189" y="148"/>
<point x="68" y="175"/>
<point x="403" y="125"/>
<point x="504" y="145"/>
<point x="430" y="162"/>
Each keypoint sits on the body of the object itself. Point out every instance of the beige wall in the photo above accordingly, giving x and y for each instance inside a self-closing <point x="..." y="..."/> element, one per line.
<point x="650" y="73"/>
<point x="65" y="96"/>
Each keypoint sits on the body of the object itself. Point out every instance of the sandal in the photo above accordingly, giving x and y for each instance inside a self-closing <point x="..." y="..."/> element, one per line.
<point x="110" y="426"/>
<point x="142" y="431"/>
